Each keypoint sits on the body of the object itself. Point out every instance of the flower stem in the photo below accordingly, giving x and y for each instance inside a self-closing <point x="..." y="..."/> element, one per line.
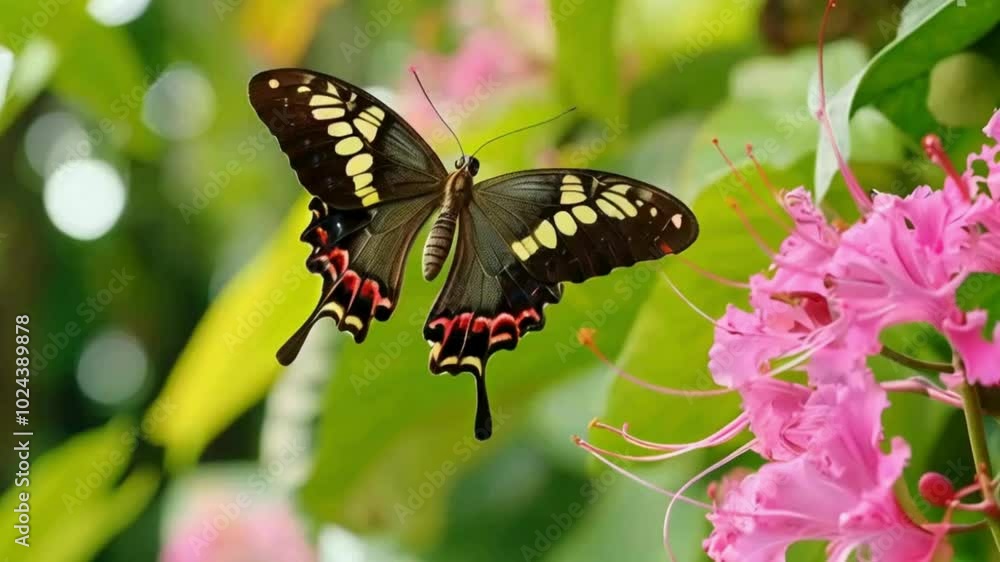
<point x="980" y="452"/>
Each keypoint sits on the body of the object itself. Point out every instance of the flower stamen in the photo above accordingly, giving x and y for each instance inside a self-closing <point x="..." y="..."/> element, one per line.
<point x="861" y="198"/>
<point x="935" y="152"/>
<point x="586" y="337"/>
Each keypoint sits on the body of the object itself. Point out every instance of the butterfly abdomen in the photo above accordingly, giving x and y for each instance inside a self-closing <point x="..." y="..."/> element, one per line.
<point x="456" y="196"/>
<point x="438" y="244"/>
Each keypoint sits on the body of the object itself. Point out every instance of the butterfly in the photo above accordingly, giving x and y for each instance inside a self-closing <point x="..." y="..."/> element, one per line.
<point x="520" y="236"/>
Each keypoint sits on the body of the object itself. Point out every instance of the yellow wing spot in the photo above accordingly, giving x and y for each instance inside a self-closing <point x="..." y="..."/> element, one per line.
<point x="362" y="180"/>
<point x="565" y="223"/>
<point x="520" y="251"/>
<point x="572" y="187"/>
<point x="546" y="235"/>
<point x="585" y="214"/>
<point x="327" y="113"/>
<point x="653" y="212"/>
<point x="354" y="321"/>
<point x="365" y="128"/>
<point x="359" y="164"/>
<point x="622" y="203"/>
<point x="323" y="100"/>
<point x="339" y="129"/>
<point x="450" y="360"/>
<point x="348" y="146"/>
<point x="369" y="200"/>
<point x="530" y="245"/>
<point x="639" y="203"/>
<point x="571" y="198"/>
<point x="608" y="209"/>
<point x="473" y="362"/>
<point x="303" y="89"/>
<point x="620" y="188"/>
<point x="677" y="220"/>
<point x="335" y="308"/>
<point x="376" y="112"/>
<point x="330" y="88"/>
<point x="273" y="83"/>
<point x="570" y="178"/>
<point x="365" y="192"/>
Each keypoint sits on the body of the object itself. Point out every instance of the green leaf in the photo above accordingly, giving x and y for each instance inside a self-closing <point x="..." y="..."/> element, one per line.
<point x="768" y="108"/>
<point x="106" y="77"/>
<point x="981" y="291"/>
<point x="228" y="364"/>
<point x="75" y="505"/>
<point x="669" y="343"/>
<point x="586" y="60"/>
<point x="929" y="31"/>
<point x="389" y="429"/>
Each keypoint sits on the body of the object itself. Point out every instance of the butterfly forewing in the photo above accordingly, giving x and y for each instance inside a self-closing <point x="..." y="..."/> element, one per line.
<point x="375" y="180"/>
<point x="571" y="225"/>
<point x="348" y="148"/>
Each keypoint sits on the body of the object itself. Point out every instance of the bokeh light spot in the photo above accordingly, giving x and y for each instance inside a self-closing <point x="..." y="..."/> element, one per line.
<point x="116" y="12"/>
<point x="113" y="368"/>
<point x="55" y="139"/>
<point x="84" y="198"/>
<point x="180" y="104"/>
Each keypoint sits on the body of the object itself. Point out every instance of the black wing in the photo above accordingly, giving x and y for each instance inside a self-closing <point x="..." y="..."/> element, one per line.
<point x="348" y="148"/>
<point x="520" y="237"/>
<point x="571" y="225"/>
<point x="361" y="255"/>
<point x="487" y="304"/>
<point x="375" y="180"/>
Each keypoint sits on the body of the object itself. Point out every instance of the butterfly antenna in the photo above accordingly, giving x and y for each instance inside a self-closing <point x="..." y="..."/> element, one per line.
<point x="508" y="133"/>
<point x="436" y="112"/>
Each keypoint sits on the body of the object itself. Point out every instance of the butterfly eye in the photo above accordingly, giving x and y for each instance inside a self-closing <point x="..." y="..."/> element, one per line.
<point x="460" y="162"/>
<point x="473" y="166"/>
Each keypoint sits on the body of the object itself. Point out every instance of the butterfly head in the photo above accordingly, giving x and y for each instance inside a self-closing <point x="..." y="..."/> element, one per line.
<point x="470" y="164"/>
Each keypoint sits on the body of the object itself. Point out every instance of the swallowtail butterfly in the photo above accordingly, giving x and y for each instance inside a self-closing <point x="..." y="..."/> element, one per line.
<point x="375" y="182"/>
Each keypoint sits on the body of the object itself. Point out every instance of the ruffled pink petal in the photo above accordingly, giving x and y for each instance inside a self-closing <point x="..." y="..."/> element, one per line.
<point x="980" y="357"/>
<point x="992" y="129"/>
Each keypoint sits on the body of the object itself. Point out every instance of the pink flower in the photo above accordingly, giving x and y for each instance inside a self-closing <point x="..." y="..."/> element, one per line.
<point x="839" y="490"/>
<point x="980" y="357"/>
<point x="216" y="527"/>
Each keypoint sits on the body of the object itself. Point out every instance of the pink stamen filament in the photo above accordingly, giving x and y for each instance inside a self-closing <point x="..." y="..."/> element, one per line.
<point x="746" y="184"/>
<point x="723" y="435"/>
<point x="586" y="338"/>
<point x="713" y="276"/>
<point x="670" y="506"/>
<point x="775" y="192"/>
<point x="936" y="153"/>
<point x="735" y="206"/>
<point x="861" y="198"/>
<point x="690" y="304"/>
<point x="591" y="449"/>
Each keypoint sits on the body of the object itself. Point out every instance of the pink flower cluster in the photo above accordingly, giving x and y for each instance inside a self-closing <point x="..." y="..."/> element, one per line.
<point x="821" y="308"/>
<point x="829" y="295"/>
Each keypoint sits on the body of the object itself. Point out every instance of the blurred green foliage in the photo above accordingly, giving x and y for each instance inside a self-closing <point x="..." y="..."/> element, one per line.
<point x="211" y="229"/>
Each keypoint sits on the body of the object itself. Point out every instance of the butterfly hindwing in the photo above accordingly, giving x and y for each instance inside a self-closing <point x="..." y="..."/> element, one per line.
<point x="571" y="225"/>
<point x="347" y="147"/>
<point x="488" y="302"/>
<point x="360" y="254"/>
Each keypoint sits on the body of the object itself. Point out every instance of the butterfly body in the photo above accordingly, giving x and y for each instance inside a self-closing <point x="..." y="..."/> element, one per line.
<point x="457" y="191"/>
<point x="515" y="238"/>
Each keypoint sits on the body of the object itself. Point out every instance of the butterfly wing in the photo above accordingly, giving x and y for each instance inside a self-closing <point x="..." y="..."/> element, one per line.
<point x="361" y="254"/>
<point x="525" y="233"/>
<point x="375" y="183"/>
<point x="571" y="225"/>
<point x="487" y="304"/>
<point x="347" y="147"/>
